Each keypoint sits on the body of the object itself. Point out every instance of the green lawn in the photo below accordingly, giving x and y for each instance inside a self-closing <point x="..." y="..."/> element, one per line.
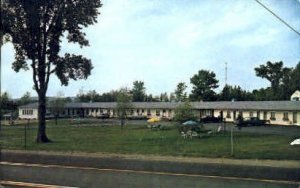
<point x="138" y="139"/>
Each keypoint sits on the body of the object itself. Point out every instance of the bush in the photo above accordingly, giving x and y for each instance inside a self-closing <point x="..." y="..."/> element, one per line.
<point x="184" y="112"/>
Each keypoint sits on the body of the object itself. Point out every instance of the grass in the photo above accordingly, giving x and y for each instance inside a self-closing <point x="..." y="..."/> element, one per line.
<point x="138" y="139"/>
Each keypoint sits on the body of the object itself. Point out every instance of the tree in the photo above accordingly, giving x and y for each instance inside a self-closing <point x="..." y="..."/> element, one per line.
<point x="295" y="78"/>
<point x="151" y="98"/>
<point x="172" y="97"/>
<point x="263" y="94"/>
<point x="164" y="97"/>
<point x="180" y="94"/>
<point x="123" y="104"/>
<point x="57" y="105"/>
<point x="6" y="104"/>
<point x="273" y="72"/>
<point x="203" y="84"/>
<point x="184" y="112"/>
<point x="138" y="91"/>
<point x="4" y="29"/>
<point x="36" y="31"/>
<point x="25" y="99"/>
<point x="109" y="96"/>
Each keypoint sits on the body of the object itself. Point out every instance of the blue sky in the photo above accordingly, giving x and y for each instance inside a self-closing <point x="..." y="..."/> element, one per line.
<point x="166" y="42"/>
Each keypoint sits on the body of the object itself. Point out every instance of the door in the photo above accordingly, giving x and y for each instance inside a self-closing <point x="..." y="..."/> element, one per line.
<point x="265" y="115"/>
<point x="221" y="115"/>
<point x="295" y="117"/>
<point x="258" y="114"/>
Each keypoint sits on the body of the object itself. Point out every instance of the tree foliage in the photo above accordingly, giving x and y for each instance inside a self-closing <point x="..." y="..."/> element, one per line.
<point x="6" y="104"/>
<point x="138" y="91"/>
<point x="234" y="93"/>
<point x="124" y="103"/>
<point x="184" y="112"/>
<point x="57" y="105"/>
<point x="25" y="99"/>
<point x="295" y="78"/>
<point x="164" y="97"/>
<point x="180" y="94"/>
<point x="282" y="80"/>
<point x="273" y="72"/>
<point x="36" y="29"/>
<point x="203" y="85"/>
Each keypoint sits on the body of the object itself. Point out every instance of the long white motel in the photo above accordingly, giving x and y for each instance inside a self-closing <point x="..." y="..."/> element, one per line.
<point x="278" y="112"/>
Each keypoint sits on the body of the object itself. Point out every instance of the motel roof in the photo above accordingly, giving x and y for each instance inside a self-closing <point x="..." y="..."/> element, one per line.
<point x="217" y="105"/>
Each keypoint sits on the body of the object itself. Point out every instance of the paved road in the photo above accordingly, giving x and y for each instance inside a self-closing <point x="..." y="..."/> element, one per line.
<point x="95" y="177"/>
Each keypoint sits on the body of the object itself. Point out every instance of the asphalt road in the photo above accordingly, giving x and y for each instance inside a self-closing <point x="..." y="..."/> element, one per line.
<point x="96" y="177"/>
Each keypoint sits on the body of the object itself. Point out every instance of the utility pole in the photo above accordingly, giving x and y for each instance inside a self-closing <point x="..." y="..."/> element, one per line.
<point x="226" y="91"/>
<point x="0" y="80"/>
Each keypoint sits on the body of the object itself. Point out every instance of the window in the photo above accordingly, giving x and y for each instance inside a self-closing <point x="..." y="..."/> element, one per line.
<point x="101" y="111"/>
<point x="228" y="115"/>
<point x="131" y="112"/>
<point x="142" y="110"/>
<point x="285" y="116"/>
<point x="273" y="116"/>
<point x="148" y="112"/>
<point x="27" y="112"/>
<point x="92" y="110"/>
<point x="97" y="110"/>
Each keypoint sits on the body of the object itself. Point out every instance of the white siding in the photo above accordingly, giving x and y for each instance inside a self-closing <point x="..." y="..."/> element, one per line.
<point x="28" y="113"/>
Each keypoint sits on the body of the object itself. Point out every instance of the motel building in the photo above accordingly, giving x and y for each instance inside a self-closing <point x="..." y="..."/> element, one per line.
<point x="278" y="112"/>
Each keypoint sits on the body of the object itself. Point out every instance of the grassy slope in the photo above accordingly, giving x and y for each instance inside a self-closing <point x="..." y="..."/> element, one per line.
<point x="137" y="139"/>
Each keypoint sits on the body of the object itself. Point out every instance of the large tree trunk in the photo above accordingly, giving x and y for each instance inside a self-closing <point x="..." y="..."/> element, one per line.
<point x="41" y="135"/>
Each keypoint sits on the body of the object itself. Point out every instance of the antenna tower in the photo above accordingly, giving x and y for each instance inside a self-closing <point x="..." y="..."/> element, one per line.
<point x="225" y="73"/>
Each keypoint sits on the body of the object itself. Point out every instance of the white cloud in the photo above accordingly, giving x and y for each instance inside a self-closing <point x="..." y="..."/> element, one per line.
<point x="165" y="42"/>
<point x="260" y="37"/>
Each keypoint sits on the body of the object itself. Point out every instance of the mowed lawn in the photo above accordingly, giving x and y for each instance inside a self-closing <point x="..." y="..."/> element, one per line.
<point x="96" y="136"/>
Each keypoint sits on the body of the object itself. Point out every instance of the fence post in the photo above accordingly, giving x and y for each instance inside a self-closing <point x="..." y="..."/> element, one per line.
<point x="231" y="140"/>
<point x="25" y="133"/>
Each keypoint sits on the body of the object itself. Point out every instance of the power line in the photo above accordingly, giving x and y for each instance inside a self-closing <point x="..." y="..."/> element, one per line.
<point x="284" y="22"/>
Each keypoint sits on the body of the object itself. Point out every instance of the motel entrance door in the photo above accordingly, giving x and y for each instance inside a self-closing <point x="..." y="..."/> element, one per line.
<point x="221" y="115"/>
<point x="295" y="117"/>
<point x="234" y="115"/>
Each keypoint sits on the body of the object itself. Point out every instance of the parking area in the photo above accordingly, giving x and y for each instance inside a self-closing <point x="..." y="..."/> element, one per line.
<point x="268" y="129"/>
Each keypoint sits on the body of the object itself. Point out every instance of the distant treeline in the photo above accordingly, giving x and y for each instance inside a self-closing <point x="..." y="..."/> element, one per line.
<point x="283" y="82"/>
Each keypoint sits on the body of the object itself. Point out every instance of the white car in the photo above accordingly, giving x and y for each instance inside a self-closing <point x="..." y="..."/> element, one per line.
<point x="295" y="142"/>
